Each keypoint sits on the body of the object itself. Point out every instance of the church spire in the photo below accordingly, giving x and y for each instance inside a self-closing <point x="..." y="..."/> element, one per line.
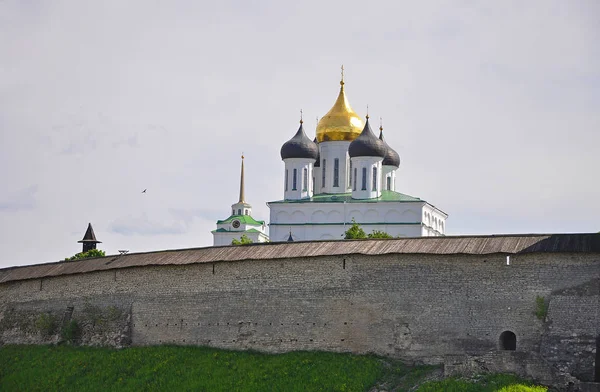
<point x="242" y="195"/>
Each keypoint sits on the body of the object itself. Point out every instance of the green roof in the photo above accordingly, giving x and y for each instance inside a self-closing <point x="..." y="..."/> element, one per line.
<point x="247" y="219"/>
<point x="221" y="230"/>
<point x="386" y="196"/>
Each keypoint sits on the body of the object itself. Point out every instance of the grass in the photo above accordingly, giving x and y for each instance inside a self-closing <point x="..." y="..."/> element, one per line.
<point x="486" y="383"/>
<point x="170" y="368"/>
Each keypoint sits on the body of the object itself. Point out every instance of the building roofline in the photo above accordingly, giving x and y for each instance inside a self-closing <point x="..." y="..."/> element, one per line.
<point x="448" y="245"/>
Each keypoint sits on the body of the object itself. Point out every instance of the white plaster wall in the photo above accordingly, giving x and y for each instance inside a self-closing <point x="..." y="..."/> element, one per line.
<point x="369" y="163"/>
<point x="225" y="238"/>
<point x="243" y="208"/>
<point x="326" y="220"/>
<point x="299" y="164"/>
<point x="388" y="171"/>
<point x="329" y="151"/>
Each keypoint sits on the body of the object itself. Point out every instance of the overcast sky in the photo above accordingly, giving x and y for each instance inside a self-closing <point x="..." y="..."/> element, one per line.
<point x="493" y="107"/>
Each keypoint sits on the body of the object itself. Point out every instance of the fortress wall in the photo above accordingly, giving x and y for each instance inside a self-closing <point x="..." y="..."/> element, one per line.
<point x="415" y="307"/>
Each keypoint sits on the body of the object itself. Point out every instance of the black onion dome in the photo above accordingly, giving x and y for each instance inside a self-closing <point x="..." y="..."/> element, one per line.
<point x="367" y="144"/>
<point x="391" y="156"/>
<point x="318" y="162"/>
<point x="300" y="146"/>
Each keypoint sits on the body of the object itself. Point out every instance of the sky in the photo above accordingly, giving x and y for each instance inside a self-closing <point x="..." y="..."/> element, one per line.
<point x="492" y="106"/>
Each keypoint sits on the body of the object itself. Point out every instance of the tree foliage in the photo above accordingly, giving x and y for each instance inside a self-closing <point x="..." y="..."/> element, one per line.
<point x="244" y="240"/>
<point x="379" y="234"/>
<point x="85" y="255"/>
<point x="356" y="232"/>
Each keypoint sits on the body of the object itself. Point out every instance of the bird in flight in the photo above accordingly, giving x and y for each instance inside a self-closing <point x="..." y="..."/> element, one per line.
<point x="144" y="191"/>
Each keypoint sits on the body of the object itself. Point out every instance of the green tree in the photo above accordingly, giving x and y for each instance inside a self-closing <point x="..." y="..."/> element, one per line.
<point x="354" y="232"/>
<point x="379" y="234"/>
<point x="244" y="240"/>
<point x="85" y="255"/>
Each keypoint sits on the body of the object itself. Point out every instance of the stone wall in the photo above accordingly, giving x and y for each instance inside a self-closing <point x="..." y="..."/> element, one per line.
<point x="420" y="308"/>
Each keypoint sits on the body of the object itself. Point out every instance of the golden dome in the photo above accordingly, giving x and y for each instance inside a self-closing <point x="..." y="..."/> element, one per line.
<point x="341" y="122"/>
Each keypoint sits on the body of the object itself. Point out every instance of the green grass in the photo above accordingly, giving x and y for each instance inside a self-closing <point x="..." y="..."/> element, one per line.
<point x="172" y="368"/>
<point x="487" y="383"/>
<point x="169" y="368"/>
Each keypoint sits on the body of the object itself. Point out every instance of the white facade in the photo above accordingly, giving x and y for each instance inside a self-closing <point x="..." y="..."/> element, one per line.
<point x="227" y="231"/>
<point x="313" y="220"/>
<point x="298" y="181"/>
<point x="335" y="164"/>
<point x="366" y="174"/>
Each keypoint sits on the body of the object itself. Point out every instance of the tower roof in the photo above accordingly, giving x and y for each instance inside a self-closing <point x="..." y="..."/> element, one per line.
<point x="299" y="146"/>
<point x="242" y="193"/>
<point x="367" y="144"/>
<point x="391" y="156"/>
<point x="89" y="236"/>
<point x="341" y="122"/>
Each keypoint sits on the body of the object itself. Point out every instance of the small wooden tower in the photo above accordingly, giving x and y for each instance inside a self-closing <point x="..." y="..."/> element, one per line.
<point x="89" y="240"/>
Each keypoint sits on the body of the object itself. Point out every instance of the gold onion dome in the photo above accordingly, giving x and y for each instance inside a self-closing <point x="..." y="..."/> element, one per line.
<point x="341" y="123"/>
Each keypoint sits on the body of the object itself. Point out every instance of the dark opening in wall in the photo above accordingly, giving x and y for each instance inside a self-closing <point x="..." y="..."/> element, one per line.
<point x="508" y="341"/>
<point x="597" y="375"/>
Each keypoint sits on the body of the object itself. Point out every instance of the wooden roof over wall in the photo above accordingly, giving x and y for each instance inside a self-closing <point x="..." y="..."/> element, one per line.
<point x="450" y="245"/>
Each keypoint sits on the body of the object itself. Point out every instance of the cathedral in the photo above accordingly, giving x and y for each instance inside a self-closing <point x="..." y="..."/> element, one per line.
<point x="346" y="174"/>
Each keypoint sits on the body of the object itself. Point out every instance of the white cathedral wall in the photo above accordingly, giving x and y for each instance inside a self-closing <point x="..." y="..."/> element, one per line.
<point x="315" y="221"/>
<point x="329" y="152"/>
<point x="388" y="171"/>
<point x="302" y="190"/>
<point x="336" y="232"/>
<point x="368" y="163"/>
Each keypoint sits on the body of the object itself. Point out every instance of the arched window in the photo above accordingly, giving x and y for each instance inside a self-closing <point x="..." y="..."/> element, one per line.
<point x="305" y="179"/>
<point x="389" y="183"/>
<point x="240" y="211"/>
<point x="294" y="179"/>
<point x="246" y="212"/>
<point x="336" y="172"/>
<point x="232" y="212"/>
<point x="374" y="188"/>
<point x="364" y="179"/>
<point x="354" y="185"/>
<point x="508" y="341"/>
<point x="286" y="179"/>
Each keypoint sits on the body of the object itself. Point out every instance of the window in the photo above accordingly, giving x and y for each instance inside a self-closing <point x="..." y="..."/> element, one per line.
<point x="354" y="186"/>
<point x="240" y="211"/>
<point x="232" y="212"/>
<point x="323" y="170"/>
<point x="350" y="179"/>
<point x="389" y="183"/>
<point x="313" y="184"/>
<point x="286" y="179"/>
<point x="364" y="179"/>
<point x="246" y="212"/>
<point x="305" y="180"/>
<point x="374" y="188"/>
<point x="336" y="172"/>
<point x="294" y="179"/>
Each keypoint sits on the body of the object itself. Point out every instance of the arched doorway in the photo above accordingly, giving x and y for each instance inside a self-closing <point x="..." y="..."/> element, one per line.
<point x="508" y="341"/>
